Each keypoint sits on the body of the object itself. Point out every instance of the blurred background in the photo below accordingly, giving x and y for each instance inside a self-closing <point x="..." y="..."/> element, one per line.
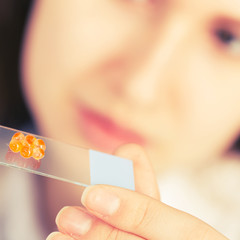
<point x="13" y="17"/>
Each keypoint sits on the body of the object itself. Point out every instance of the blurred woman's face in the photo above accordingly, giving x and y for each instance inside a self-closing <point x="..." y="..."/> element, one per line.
<point x="164" y="74"/>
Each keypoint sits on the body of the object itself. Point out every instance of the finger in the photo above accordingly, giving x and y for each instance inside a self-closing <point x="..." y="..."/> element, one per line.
<point x="144" y="216"/>
<point x="144" y="176"/>
<point x="58" y="236"/>
<point x="72" y="221"/>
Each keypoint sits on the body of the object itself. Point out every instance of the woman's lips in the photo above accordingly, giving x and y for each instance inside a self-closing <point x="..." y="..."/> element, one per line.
<point x="103" y="133"/>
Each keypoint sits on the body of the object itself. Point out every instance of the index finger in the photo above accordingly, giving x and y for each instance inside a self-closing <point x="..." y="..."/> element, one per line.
<point x="144" y="176"/>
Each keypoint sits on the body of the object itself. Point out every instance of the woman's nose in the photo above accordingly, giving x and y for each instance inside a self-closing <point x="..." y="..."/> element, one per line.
<point x="160" y="65"/>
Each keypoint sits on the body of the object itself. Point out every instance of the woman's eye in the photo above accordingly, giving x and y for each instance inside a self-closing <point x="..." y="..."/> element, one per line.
<point x="226" y="37"/>
<point x="229" y="40"/>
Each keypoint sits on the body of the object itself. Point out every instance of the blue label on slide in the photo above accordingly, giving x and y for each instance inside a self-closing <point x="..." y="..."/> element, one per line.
<point x="111" y="170"/>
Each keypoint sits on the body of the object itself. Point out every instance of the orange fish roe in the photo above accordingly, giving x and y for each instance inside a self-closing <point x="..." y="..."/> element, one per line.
<point x="15" y="145"/>
<point x="26" y="151"/>
<point x="39" y="143"/>
<point x="18" y="136"/>
<point x="29" y="139"/>
<point x="38" y="153"/>
<point x="28" y="146"/>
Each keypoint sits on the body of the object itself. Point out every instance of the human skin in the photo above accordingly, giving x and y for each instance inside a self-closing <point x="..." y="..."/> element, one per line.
<point x="103" y="73"/>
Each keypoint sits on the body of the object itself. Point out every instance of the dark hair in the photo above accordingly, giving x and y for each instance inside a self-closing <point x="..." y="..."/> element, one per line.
<point x="13" y="16"/>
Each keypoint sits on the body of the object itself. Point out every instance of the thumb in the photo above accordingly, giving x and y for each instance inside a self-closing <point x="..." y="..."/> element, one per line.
<point x="144" y="216"/>
<point x="144" y="176"/>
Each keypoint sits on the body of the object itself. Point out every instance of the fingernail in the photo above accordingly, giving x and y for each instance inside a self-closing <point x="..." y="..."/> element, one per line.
<point x="100" y="200"/>
<point x="52" y="235"/>
<point x="73" y="221"/>
<point x="58" y="236"/>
